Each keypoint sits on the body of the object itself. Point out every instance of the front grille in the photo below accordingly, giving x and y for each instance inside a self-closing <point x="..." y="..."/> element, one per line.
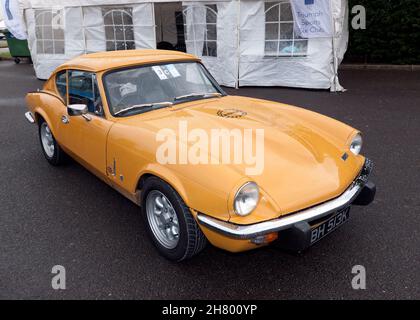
<point x="366" y="170"/>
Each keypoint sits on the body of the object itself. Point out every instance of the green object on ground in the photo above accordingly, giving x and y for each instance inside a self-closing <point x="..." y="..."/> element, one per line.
<point x="18" y="48"/>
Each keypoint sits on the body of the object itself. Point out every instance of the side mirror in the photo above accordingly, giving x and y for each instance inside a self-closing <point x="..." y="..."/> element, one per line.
<point x="77" y="109"/>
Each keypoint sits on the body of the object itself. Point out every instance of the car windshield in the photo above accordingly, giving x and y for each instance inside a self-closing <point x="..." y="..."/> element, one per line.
<point x="145" y="88"/>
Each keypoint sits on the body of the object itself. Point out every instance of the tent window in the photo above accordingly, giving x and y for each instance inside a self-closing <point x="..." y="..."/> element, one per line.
<point x="280" y="38"/>
<point x="119" y="31"/>
<point x="180" y="31"/>
<point x="49" y="31"/>
<point x="210" y="30"/>
<point x="210" y="40"/>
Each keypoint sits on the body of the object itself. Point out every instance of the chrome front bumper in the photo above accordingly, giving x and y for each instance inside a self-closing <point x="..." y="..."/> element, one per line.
<point x="307" y="215"/>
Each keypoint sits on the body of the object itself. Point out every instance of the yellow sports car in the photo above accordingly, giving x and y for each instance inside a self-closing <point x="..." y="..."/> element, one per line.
<point x="202" y="165"/>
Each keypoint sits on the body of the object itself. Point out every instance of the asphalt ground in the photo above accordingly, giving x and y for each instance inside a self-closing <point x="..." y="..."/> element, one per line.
<point x="66" y="216"/>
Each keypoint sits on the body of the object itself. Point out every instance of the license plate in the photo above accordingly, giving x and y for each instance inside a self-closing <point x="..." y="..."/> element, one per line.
<point x="330" y="225"/>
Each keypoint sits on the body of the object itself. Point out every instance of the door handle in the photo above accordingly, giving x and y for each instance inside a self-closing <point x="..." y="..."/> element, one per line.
<point x="87" y="117"/>
<point x="64" y="119"/>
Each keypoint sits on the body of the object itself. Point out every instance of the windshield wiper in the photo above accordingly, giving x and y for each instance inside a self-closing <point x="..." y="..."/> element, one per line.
<point x="203" y="95"/>
<point x="145" y="105"/>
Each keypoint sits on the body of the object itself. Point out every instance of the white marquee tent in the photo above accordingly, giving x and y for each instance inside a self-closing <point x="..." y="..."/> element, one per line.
<point x="242" y="42"/>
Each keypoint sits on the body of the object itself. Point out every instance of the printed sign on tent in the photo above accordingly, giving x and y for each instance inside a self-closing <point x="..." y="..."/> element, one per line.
<point x="13" y="19"/>
<point x="313" y="18"/>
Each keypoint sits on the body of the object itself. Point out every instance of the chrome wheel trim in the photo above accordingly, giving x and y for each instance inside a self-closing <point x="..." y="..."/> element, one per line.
<point x="47" y="140"/>
<point x="162" y="219"/>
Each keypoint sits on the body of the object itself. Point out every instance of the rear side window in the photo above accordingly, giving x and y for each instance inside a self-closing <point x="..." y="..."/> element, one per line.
<point x="61" y="84"/>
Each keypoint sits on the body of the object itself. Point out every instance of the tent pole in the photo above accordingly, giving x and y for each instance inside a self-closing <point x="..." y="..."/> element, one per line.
<point x="238" y="41"/>
<point x="84" y="28"/>
<point x="154" y="23"/>
<point x="334" y="85"/>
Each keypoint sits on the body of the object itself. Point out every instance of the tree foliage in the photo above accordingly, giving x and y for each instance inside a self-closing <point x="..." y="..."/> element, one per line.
<point x="392" y="33"/>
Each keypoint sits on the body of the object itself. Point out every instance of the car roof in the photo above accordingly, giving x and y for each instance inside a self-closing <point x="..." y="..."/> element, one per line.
<point x="101" y="61"/>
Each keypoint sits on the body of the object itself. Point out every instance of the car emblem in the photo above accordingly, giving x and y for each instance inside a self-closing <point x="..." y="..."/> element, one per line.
<point x="344" y="156"/>
<point x="231" y="113"/>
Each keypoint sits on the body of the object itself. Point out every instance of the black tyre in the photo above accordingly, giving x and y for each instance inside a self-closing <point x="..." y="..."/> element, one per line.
<point x="49" y="145"/>
<point x="169" y="222"/>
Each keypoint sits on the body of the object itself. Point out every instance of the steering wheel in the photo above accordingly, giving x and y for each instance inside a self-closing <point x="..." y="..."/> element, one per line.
<point x="121" y="104"/>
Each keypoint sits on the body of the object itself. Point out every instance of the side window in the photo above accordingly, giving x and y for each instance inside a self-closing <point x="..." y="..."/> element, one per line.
<point x="83" y="89"/>
<point x="61" y="84"/>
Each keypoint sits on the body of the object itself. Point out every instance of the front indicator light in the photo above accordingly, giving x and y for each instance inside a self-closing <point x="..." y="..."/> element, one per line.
<point x="265" y="238"/>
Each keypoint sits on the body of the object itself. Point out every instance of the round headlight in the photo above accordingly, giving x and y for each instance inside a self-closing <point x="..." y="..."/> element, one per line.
<point x="246" y="199"/>
<point x="356" y="144"/>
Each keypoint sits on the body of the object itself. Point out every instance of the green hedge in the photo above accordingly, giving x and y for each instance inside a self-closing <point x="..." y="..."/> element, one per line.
<point x="392" y="33"/>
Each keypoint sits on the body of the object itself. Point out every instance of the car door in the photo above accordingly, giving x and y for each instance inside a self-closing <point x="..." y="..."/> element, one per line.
<point x="86" y="136"/>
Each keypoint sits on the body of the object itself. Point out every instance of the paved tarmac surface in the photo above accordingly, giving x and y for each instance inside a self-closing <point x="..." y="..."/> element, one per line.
<point x="66" y="216"/>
